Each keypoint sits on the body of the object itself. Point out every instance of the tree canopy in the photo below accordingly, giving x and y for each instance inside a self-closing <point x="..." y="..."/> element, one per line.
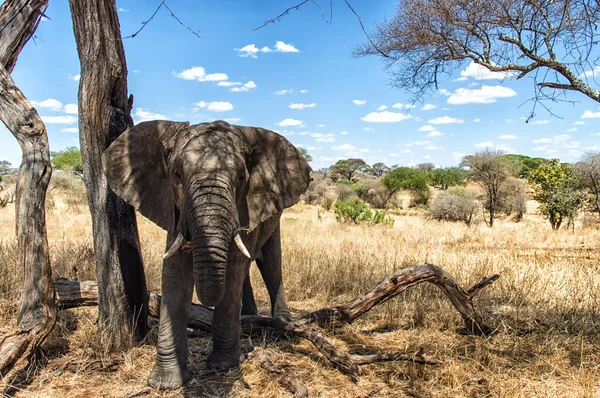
<point x="556" y="187"/>
<point x="67" y="159"/>
<point x="550" y="41"/>
<point x="490" y="170"/>
<point x="346" y="168"/>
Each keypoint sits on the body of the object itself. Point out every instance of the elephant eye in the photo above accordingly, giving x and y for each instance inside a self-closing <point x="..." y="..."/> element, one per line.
<point x="178" y="177"/>
<point x="241" y="177"/>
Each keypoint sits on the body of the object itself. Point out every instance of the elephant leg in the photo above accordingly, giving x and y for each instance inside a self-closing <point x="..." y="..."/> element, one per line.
<point x="226" y="351"/>
<point x="248" y="303"/>
<point x="170" y="370"/>
<point x="269" y="264"/>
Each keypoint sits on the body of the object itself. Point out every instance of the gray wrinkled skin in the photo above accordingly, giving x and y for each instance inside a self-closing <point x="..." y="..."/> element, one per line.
<point x="209" y="182"/>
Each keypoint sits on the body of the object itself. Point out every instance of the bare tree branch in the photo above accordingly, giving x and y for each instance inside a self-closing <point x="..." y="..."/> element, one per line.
<point x="163" y="4"/>
<point x="428" y="39"/>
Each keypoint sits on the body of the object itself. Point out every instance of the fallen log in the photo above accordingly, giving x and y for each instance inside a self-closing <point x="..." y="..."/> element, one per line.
<point x="70" y="294"/>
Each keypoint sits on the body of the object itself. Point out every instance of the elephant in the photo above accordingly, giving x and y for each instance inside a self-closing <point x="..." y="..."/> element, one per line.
<point x="222" y="188"/>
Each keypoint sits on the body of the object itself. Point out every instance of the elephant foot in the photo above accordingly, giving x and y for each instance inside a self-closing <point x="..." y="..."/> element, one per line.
<point x="223" y="360"/>
<point x="167" y="378"/>
<point x="282" y="314"/>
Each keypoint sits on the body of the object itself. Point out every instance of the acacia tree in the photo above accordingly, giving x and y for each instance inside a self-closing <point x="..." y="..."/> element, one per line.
<point x="348" y="167"/>
<point x="407" y="178"/>
<point x="491" y="171"/>
<point x="444" y="178"/>
<point x="551" y="41"/>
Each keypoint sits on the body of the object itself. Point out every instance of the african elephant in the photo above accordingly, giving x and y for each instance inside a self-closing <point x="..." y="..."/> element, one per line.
<point x="222" y="188"/>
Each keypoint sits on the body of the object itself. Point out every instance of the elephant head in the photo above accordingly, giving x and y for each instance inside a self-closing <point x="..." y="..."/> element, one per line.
<point x="207" y="182"/>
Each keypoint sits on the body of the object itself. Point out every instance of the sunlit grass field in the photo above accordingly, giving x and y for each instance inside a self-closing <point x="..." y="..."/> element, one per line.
<point x="545" y="308"/>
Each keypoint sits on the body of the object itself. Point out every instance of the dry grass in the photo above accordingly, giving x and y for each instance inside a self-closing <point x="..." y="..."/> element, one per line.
<point x="546" y="306"/>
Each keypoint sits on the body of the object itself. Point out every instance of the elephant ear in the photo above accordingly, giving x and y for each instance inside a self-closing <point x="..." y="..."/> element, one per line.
<point x="279" y="174"/>
<point x="135" y="168"/>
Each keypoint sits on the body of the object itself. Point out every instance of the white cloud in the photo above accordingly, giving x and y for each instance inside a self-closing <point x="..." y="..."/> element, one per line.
<point x="428" y="107"/>
<point x="509" y="120"/>
<point x="142" y="115"/>
<point x="591" y="148"/>
<point x="476" y="120"/>
<point x="572" y="130"/>
<point x="479" y="72"/>
<point x="562" y="137"/>
<point x="123" y="10"/>
<point x="215" y="106"/>
<point x="543" y="141"/>
<point x="398" y="105"/>
<point x="385" y="117"/>
<point x="367" y="129"/>
<point x="70" y="108"/>
<point x="483" y="95"/>
<point x="70" y="130"/>
<point x="417" y="143"/>
<point x="382" y="108"/>
<point x="232" y="120"/>
<point x="301" y="105"/>
<point x="323" y="137"/>
<point x="285" y="48"/>
<point x="282" y="92"/>
<point x="579" y="122"/>
<point x="590" y="115"/>
<point x="435" y="133"/>
<point x="538" y="122"/>
<point x="228" y="84"/>
<point x="426" y="128"/>
<point x="248" y="50"/>
<point x="75" y="77"/>
<point x="320" y="125"/>
<point x="344" y="147"/>
<point x="508" y="137"/>
<point x="50" y="103"/>
<point x="445" y="120"/>
<point x="59" y="119"/>
<point x="434" y="148"/>
<point x="344" y="133"/>
<point x="289" y="122"/>
<point x="251" y="50"/>
<point x="445" y="92"/>
<point x="246" y="87"/>
<point x="359" y="102"/>
<point x="486" y="144"/>
<point x="199" y="73"/>
<point x="591" y="73"/>
<point x="304" y="91"/>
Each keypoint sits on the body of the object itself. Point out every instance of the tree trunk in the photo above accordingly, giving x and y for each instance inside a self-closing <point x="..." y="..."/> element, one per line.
<point x="36" y="316"/>
<point x="104" y="113"/>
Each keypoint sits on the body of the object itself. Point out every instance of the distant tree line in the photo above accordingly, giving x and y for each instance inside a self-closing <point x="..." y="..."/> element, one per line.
<point x="561" y="189"/>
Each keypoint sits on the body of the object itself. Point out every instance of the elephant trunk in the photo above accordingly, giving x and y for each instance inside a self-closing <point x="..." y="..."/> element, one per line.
<point x="212" y="225"/>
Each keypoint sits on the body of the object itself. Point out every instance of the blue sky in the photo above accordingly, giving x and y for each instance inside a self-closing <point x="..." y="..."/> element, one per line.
<point x="297" y="77"/>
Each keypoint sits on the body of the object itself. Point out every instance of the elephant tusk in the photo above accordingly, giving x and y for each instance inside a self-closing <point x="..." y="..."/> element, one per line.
<point x="240" y="245"/>
<point x="174" y="247"/>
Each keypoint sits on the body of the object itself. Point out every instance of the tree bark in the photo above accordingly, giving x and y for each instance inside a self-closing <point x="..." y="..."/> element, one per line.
<point x="71" y="294"/>
<point x="36" y="316"/>
<point x="104" y="113"/>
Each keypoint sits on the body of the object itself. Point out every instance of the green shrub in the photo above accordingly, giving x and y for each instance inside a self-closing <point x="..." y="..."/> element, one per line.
<point x="357" y="211"/>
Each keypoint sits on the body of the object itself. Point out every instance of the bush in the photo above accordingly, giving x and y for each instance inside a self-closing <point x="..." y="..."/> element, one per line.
<point x="420" y="197"/>
<point x="315" y="192"/>
<point x="357" y="211"/>
<point x="345" y="192"/>
<point x="455" y="205"/>
<point x="512" y="199"/>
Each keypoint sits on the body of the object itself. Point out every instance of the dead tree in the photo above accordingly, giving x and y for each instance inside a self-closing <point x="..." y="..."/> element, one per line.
<point x="72" y="294"/>
<point x="104" y="113"/>
<point x="18" y="21"/>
